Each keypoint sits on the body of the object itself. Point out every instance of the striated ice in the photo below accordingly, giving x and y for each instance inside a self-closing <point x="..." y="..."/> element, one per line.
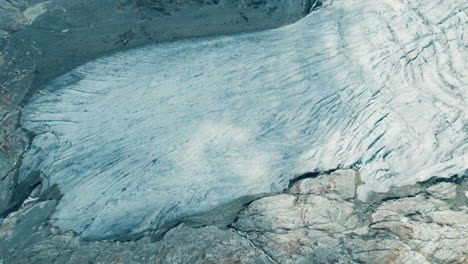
<point x="142" y="137"/>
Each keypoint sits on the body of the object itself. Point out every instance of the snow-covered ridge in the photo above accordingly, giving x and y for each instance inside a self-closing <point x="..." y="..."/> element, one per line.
<point x="145" y="136"/>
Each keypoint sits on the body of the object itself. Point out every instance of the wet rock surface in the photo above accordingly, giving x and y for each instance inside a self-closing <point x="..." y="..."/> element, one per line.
<point x="314" y="221"/>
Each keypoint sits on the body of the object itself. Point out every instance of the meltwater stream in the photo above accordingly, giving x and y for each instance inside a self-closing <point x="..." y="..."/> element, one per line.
<point x="142" y="137"/>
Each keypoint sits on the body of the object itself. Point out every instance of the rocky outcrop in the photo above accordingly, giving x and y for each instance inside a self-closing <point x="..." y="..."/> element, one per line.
<point x="317" y="220"/>
<point x="42" y="39"/>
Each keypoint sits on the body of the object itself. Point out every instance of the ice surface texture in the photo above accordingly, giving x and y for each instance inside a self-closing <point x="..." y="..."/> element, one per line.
<point x="142" y="137"/>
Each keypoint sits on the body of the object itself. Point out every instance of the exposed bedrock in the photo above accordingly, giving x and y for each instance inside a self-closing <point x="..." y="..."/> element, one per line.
<point x="40" y="40"/>
<point x="317" y="220"/>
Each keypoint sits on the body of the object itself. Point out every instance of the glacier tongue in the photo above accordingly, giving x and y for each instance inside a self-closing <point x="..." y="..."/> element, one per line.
<point x="142" y="137"/>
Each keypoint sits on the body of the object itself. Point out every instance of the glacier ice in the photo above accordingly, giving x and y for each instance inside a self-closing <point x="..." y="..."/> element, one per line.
<point x="139" y="138"/>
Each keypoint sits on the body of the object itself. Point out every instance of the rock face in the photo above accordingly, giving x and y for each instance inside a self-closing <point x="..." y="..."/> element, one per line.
<point x="317" y="220"/>
<point x="41" y="40"/>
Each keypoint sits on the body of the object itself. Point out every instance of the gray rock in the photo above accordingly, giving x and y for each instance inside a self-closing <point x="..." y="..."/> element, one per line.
<point x="429" y="225"/>
<point x="23" y="230"/>
<point x="443" y="190"/>
<point x="307" y="225"/>
<point x="207" y="245"/>
<point x="378" y="251"/>
<point x="13" y="141"/>
<point x="301" y="246"/>
<point x="285" y="212"/>
<point x="340" y="183"/>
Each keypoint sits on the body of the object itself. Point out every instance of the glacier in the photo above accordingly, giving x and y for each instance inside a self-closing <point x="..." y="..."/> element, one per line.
<point x="140" y="138"/>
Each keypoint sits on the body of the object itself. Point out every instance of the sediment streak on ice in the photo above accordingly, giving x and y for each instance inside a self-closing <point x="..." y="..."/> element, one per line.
<point x="145" y="136"/>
